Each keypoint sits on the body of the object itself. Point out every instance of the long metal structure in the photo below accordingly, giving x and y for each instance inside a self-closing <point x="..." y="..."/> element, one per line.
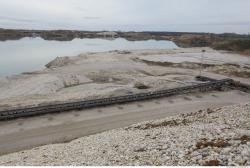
<point x="79" y="105"/>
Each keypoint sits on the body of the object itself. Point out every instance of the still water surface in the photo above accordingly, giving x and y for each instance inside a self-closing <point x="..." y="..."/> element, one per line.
<point x="29" y="54"/>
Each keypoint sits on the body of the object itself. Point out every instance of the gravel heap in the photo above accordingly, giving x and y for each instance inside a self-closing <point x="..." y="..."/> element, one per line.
<point x="207" y="137"/>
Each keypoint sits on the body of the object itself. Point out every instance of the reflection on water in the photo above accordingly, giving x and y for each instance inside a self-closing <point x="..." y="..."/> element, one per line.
<point x="30" y="54"/>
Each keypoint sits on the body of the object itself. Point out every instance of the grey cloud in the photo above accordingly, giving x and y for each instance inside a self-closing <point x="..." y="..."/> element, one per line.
<point x="135" y="15"/>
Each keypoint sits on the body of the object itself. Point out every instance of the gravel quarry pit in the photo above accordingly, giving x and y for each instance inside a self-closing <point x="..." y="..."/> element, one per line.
<point x="97" y="75"/>
<point x="212" y="136"/>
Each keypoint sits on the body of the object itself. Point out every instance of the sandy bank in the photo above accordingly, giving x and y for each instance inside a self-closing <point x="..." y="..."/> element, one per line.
<point x="95" y="75"/>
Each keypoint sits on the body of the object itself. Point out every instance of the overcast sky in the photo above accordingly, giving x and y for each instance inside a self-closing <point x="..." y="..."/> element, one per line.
<point x="128" y="15"/>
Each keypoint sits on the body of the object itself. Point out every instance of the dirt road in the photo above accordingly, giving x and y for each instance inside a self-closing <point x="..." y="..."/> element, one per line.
<point x="31" y="132"/>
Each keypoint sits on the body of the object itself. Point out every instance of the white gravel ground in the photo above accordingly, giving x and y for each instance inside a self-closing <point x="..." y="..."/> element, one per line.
<point x="91" y="75"/>
<point x="208" y="137"/>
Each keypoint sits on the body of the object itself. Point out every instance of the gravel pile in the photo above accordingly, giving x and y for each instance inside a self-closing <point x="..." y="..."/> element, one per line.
<point x="207" y="137"/>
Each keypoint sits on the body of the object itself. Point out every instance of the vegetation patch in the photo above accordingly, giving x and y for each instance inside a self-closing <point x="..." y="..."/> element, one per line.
<point x="219" y="143"/>
<point x="233" y="45"/>
<point x="212" y="163"/>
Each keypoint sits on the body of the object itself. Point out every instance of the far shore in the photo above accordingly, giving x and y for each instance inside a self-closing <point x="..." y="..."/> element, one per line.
<point x="228" y="41"/>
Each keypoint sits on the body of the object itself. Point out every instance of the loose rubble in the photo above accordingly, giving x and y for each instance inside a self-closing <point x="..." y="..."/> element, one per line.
<point x="208" y="137"/>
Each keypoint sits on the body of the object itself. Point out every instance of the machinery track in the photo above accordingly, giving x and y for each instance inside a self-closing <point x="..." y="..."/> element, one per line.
<point x="78" y="105"/>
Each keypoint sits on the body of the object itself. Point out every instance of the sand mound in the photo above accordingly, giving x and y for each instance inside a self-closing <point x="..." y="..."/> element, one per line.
<point x="39" y="84"/>
<point x="59" y="62"/>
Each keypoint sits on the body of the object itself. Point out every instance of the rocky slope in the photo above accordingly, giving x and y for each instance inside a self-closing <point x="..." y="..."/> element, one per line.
<point x="207" y="137"/>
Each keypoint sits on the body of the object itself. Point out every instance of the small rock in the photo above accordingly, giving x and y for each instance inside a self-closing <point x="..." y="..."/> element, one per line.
<point x="209" y="111"/>
<point x="181" y="155"/>
<point x="226" y="151"/>
<point x="140" y="86"/>
<point x="245" y="152"/>
<point x="232" y="164"/>
<point x="201" y="162"/>
<point x="244" y="133"/>
<point x="199" y="157"/>
<point x="136" y="157"/>
<point x="195" y="153"/>
<point x="242" y="162"/>
<point x="139" y="149"/>
<point x="244" y="139"/>
<point x="45" y="156"/>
